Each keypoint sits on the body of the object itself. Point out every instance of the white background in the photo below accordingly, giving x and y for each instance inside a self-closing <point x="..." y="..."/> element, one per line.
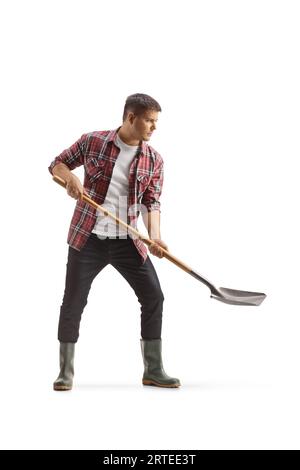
<point x="226" y="74"/>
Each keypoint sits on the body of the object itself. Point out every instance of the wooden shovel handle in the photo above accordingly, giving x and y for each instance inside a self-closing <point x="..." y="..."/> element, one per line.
<point x="146" y="240"/>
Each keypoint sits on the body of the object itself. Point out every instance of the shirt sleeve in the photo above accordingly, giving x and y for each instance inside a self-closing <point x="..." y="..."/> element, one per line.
<point x="73" y="156"/>
<point x="153" y="191"/>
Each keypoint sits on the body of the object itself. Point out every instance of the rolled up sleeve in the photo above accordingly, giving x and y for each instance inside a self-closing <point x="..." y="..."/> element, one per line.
<point x="73" y="156"/>
<point x="153" y="191"/>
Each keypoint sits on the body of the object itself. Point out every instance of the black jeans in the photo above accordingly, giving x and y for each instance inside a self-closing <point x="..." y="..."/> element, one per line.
<point x="82" y="268"/>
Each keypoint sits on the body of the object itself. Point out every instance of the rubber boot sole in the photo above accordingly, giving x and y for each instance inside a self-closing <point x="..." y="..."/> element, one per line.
<point x="61" y="388"/>
<point x="157" y="384"/>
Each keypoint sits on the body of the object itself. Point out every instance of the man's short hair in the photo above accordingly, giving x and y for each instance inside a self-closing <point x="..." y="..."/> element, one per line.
<point x="139" y="103"/>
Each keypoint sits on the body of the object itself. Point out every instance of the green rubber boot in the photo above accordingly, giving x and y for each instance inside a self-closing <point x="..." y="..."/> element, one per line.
<point x="154" y="373"/>
<point x="66" y="358"/>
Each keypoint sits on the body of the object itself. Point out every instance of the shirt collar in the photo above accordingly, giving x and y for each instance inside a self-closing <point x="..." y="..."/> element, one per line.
<point x="112" y="136"/>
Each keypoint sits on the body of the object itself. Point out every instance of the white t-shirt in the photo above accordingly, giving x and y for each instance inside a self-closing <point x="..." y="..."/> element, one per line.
<point x="116" y="199"/>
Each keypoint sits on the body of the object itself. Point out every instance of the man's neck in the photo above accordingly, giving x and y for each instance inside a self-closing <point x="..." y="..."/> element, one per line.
<point x="127" y="138"/>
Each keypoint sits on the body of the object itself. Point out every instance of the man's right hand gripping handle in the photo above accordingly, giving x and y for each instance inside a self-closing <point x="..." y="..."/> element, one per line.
<point x="74" y="187"/>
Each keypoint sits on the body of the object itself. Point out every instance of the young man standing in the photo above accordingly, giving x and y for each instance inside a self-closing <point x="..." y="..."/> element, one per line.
<point x="125" y="175"/>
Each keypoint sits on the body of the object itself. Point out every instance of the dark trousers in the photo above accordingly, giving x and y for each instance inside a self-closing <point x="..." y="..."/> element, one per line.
<point x="82" y="268"/>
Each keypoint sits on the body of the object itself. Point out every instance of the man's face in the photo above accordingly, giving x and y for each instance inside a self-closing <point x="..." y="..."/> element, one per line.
<point x="144" y="125"/>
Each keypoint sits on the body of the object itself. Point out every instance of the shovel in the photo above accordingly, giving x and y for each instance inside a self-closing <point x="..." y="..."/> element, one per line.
<point x="229" y="296"/>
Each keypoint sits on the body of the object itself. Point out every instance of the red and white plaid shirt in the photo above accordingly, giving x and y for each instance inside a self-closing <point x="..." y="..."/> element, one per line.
<point x="98" y="152"/>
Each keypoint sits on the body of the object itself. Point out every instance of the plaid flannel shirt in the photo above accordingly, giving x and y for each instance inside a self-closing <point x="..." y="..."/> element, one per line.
<point x="98" y="152"/>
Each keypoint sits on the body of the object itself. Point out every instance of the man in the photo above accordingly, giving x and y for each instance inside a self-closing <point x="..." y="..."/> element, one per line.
<point x="125" y="175"/>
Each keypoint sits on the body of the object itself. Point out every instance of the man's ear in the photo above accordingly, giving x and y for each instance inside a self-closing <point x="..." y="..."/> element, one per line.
<point x="131" y="117"/>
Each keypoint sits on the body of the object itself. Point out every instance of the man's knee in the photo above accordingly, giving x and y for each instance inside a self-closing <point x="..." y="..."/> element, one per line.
<point x="74" y="302"/>
<point x="154" y="295"/>
<point x="160" y="295"/>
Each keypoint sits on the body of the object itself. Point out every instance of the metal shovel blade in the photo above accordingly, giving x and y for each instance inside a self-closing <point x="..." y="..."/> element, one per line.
<point x="238" y="297"/>
<point x="230" y="296"/>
